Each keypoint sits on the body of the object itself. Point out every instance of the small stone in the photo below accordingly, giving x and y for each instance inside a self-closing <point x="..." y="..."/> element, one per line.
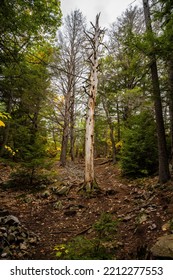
<point x="152" y="227"/>
<point x="62" y="190"/>
<point x="6" y="251"/>
<point x="1" y="220"/>
<point x="11" y="220"/>
<point x="32" y="240"/>
<point x="43" y="186"/>
<point x="4" y="255"/>
<point x="126" y="199"/>
<point x="20" y="255"/>
<point x="12" y="228"/>
<point x="23" y="246"/>
<point x="3" y="229"/>
<point x="120" y="244"/>
<point x="11" y="238"/>
<point x="127" y="218"/>
<point x="23" y="234"/>
<point x="45" y="194"/>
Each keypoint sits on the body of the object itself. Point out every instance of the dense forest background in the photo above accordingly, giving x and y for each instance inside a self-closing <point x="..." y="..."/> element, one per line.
<point x="45" y="78"/>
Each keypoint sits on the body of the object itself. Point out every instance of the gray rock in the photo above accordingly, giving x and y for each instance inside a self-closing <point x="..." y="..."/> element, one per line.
<point x="152" y="226"/>
<point x="1" y="220"/>
<point x="163" y="247"/>
<point x="4" y="213"/>
<point x="24" y="235"/>
<point x="11" y="237"/>
<point x="5" y="252"/>
<point x="45" y="194"/>
<point x="23" y="246"/>
<point x="62" y="190"/>
<point x="43" y="186"/>
<point x="128" y="217"/>
<point x="12" y="229"/>
<point x="3" y="229"/>
<point x="16" y="240"/>
<point x="32" y="240"/>
<point x="11" y="220"/>
<point x="4" y="255"/>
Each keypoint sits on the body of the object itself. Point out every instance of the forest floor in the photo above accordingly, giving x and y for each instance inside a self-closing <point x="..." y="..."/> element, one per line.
<point x="142" y="206"/>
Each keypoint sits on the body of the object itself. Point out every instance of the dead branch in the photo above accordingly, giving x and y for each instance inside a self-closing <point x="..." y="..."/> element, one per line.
<point x="84" y="231"/>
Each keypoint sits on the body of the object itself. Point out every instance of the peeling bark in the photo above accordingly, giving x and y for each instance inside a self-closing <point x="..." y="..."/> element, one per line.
<point x="90" y="183"/>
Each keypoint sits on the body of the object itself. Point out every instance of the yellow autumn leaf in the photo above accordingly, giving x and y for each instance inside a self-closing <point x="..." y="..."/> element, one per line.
<point x="2" y="123"/>
<point x="166" y="226"/>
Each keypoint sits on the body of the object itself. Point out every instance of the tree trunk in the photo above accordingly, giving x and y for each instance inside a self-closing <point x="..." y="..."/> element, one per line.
<point x="65" y="135"/>
<point x="54" y="138"/>
<point x="118" y="122"/>
<point x="89" y="140"/>
<point x="94" y="38"/>
<point x="72" y="60"/>
<point x="111" y="127"/>
<point x="170" y="73"/>
<point x="72" y="124"/>
<point x="164" y="174"/>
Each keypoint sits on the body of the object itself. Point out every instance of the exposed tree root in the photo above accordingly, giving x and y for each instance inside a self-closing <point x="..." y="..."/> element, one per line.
<point x="90" y="188"/>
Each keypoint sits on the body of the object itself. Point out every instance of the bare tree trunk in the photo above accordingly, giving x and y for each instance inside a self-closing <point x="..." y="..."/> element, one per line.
<point x="118" y="122"/>
<point x="72" y="124"/>
<point x="72" y="59"/>
<point x="65" y="135"/>
<point x="164" y="174"/>
<point x="54" y="138"/>
<point x="94" y="38"/>
<point x="89" y="141"/>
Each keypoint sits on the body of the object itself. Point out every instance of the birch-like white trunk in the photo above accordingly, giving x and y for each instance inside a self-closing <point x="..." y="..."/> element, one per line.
<point x="89" y="137"/>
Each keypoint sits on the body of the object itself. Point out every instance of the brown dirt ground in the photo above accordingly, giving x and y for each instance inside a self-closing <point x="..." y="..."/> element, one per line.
<point x="142" y="205"/>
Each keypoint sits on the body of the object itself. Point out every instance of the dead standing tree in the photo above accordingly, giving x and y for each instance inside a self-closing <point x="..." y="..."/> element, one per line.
<point x="94" y="39"/>
<point x="71" y="61"/>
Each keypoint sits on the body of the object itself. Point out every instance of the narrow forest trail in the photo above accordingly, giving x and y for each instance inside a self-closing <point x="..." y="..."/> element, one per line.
<point x="141" y="207"/>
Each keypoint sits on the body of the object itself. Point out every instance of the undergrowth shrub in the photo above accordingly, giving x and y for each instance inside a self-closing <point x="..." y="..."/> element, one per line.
<point x="139" y="156"/>
<point x="24" y="178"/>
<point x="101" y="246"/>
<point x="32" y="162"/>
